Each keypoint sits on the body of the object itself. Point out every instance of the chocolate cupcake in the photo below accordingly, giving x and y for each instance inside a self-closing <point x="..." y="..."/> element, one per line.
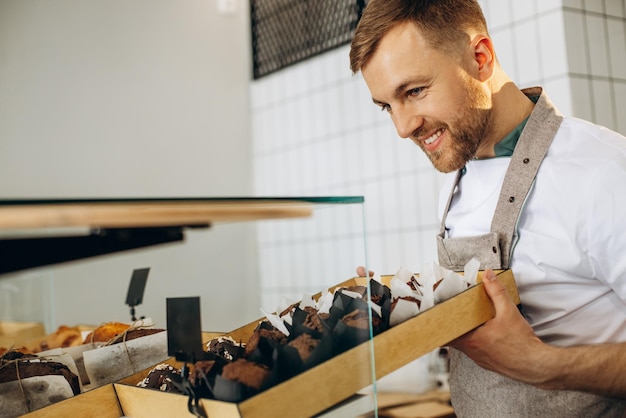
<point x="226" y="348"/>
<point x="162" y="377"/>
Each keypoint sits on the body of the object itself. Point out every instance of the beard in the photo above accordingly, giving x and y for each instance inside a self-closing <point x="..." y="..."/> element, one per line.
<point x="466" y="133"/>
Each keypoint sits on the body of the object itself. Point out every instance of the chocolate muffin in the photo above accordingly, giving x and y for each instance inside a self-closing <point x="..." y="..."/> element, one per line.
<point x="246" y="372"/>
<point x="304" y="344"/>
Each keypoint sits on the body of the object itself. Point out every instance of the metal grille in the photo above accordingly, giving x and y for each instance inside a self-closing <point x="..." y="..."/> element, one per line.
<point x="285" y="32"/>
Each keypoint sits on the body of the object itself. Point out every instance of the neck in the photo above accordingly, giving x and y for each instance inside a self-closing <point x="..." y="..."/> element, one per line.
<point x="510" y="108"/>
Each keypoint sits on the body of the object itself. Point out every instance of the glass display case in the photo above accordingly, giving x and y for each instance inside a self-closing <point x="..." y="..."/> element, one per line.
<point x="304" y="246"/>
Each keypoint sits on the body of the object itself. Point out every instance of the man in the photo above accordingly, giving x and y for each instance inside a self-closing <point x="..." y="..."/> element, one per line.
<point x="528" y="190"/>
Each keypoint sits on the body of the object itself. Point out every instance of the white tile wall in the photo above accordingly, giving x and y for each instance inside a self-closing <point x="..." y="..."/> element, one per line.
<point x="524" y="9"/>
<point x="598" y="50"/>
<point x="316" y="132"/>
<point x="594" y="5"/>
<point x="614" y="8"/>
<point x="577" y="50"/>
<point x="619" y="89"/>
<point x="616" y="32"/>
<point x="551" y="38"/>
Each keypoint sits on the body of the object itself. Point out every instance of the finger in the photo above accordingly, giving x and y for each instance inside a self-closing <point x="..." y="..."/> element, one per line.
<point x="496" y="291"/>
<point x="360" y="271"/>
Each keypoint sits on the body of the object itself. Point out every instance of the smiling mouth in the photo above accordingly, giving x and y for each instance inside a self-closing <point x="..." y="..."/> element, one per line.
<point x="433" y="137"/>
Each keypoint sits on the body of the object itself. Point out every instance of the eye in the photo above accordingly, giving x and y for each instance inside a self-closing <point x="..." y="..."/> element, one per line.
<point x="415" y="92"/>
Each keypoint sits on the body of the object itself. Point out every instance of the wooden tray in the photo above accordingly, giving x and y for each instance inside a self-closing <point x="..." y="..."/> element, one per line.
<point x="337" y="379"/>
<point x="331" y="382"/>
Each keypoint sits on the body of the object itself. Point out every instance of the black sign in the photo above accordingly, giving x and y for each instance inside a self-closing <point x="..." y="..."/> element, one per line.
<point x="184" y="329"/>
<point x="136" y="287"/>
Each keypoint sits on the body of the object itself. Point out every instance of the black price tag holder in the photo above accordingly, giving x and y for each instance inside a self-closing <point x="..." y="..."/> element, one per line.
<point x="136" y="287"/>
<point x="184" y="342"/>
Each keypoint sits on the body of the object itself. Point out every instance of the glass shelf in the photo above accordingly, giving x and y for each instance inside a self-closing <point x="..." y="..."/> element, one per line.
<point x="48" y="230"/>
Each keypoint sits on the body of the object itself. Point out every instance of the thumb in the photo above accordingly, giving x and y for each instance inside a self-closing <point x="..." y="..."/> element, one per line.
<point x="361" y="272"/>
<point x="496" y="291"/>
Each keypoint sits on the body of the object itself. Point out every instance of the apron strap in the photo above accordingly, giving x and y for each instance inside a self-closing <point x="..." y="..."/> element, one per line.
<point x="529" y="152"/>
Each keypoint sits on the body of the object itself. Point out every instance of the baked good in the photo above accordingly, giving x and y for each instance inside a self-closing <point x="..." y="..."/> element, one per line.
<point x="160" y="377"/>
<point x="358" y="318"/>
<point x="63" y="337"/>
<point x="226" y="348"/>
<point x="105" y="332"/>
<point x="264" y="330"/>
<point x="246" y="372"/>
<point x="201" y="370"/>
<point x="14" y="366"/>
<point x="7" y="351"/>
<point x="313" y="321"/>
<point x="135" y="333"/>
<point x="304" y="344"/>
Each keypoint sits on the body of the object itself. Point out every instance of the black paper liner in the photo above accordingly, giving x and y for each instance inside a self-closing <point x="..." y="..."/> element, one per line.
<point x="204" y="382"/>
<point x="347" y="337"/>
<point x="289" y="362"/>
<point x="264" y="353"/>
<point x="379" y="290"/>
<point x="231" y="391"/>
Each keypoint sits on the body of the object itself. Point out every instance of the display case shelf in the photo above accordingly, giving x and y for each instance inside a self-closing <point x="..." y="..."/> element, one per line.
<point x="41" y="232"/>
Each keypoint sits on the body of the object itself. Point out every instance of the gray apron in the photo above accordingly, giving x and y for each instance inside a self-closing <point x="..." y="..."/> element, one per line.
<point x="477" y="392"/>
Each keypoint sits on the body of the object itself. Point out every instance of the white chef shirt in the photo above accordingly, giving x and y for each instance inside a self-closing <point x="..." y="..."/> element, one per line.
<point x="570" y="260"/>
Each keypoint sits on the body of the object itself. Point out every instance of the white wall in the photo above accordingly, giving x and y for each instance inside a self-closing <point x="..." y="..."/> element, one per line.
<point x="142" y="98"/>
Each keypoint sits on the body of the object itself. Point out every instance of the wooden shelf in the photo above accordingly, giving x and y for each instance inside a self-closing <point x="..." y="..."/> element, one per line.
<point x="39" y="232"/>
<point x="145" y="213"/>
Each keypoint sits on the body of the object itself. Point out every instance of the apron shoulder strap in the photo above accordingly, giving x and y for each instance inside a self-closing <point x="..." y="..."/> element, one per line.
<point x="530" y="150"/>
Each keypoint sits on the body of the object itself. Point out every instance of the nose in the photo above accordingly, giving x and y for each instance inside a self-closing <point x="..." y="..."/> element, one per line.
<point x="406" y="121"/>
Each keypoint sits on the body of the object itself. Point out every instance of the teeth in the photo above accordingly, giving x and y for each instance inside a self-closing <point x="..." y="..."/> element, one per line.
<point x="436" y="135"/>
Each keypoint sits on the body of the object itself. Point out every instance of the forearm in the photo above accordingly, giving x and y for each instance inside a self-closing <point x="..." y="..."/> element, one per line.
<point x="599" y="369"/>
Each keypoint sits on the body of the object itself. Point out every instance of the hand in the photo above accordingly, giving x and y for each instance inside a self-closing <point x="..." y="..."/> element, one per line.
<point x="505" y="344"/>
<point x="360" y="271"/>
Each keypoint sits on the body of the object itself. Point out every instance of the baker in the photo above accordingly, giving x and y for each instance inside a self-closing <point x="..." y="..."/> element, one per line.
<point x="527" y="189"/>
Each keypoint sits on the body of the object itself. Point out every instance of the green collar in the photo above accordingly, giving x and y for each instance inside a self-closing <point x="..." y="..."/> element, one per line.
<point x="506" y="146"/>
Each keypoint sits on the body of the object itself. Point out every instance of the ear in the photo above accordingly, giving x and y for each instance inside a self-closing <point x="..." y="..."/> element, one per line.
<point x="484" y="57"/>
